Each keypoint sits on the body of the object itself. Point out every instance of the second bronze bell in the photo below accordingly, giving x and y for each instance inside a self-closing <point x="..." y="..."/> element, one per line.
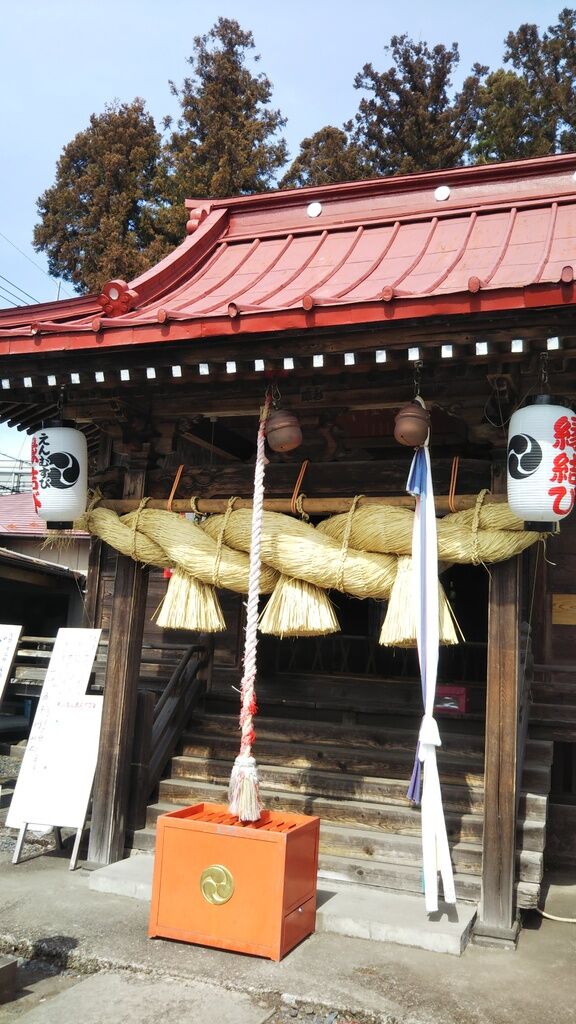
<point x="283" y="431"/>
<point x="411" y="425"/>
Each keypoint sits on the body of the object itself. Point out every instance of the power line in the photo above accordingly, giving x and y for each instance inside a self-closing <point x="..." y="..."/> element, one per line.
<point x="33" y="262"/>
<point x="17" y="286"/>
<point x="7" y="291"/>
<point x="6" y="299"/>
<point x="14" y="458"/>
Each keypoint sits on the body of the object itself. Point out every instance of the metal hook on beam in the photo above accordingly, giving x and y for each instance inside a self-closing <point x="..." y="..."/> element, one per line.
<point x="418" y="367"/>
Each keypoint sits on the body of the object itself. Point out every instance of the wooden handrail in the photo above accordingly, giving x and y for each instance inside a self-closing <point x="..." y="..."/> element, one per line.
<point x="174" y="707"/>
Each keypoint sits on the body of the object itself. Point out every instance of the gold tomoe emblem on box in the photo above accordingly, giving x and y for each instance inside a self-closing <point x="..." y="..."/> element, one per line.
<point x="217" y="884"/>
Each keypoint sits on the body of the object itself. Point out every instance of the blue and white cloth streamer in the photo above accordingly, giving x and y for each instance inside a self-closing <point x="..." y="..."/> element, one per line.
<point x="435" y="849"/>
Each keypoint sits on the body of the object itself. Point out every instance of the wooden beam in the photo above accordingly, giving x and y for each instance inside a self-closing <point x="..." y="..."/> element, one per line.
<point x="375" y="478"/>
<point x="313" y="506"/>
<point x="200" y="442"/>
<point x="497" y="921"/>
<point x="111" y="785"/>
<point x="35" y="578"/>
<point x="429" y="331"/>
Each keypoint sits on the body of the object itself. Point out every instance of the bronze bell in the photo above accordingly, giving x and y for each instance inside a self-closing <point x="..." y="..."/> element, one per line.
<point x="283" y="431"/>
<point x="411" y="425"/>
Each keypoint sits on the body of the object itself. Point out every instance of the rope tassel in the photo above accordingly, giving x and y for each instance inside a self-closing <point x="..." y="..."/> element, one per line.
<point x="243" y="792"/>
<point x="244" y="795"/>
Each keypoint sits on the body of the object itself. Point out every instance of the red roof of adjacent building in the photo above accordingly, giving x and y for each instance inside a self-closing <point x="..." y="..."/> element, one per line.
<point x="500" y="236"/>
<point x="18" y="517"/>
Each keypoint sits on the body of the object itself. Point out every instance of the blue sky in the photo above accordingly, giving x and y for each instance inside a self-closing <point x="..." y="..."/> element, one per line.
<point x="62" y="60"/>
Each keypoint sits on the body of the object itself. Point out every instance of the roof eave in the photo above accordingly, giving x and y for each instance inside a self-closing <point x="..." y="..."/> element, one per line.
<point x="378" y="313"/>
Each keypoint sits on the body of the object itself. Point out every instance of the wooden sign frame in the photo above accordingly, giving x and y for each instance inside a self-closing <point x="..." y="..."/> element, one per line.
<point x="55" y="780"/>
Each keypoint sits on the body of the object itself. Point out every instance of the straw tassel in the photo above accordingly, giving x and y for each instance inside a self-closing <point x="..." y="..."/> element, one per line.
<point x="190" y="604"/>
<point x="399" y="628"/>
<point x="297" y="608"/>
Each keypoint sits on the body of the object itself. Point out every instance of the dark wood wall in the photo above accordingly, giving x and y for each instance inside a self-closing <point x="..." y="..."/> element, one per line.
<point x="554" y="690"/>
<point x="161" y="646"/>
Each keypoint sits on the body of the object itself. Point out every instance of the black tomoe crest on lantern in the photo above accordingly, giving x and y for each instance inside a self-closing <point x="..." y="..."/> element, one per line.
<point x="524" y="456"/>
<point x="542" y="462"/>
<point x="59" y="475"/>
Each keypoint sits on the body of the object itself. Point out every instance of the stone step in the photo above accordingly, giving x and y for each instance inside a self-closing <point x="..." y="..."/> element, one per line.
<point x="343" y="909"/>
<point x="342" y="785"/>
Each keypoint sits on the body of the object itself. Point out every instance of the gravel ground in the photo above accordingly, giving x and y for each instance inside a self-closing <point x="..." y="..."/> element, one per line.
<point x="9" y="768"/>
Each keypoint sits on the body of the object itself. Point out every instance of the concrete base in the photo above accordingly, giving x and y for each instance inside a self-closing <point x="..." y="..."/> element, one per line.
<point x="131" y="877"/>
<point x="365" y="913"/>
<point x="496" y="938"/>
<point x="358" y="911"/>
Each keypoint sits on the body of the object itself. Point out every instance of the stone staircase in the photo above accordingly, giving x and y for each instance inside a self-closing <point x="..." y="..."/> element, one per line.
<point x="355" y="776"/>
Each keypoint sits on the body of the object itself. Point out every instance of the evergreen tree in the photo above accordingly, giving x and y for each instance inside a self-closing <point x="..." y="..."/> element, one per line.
<point x="324" y="158"/>
<point x="547" y="65"/>
<point x="409" y="123"/>
<point x="506" y="121"/>
<point x="225" y="141"/>
<point x="529" y="111"/>
<point x="97" y="218"/>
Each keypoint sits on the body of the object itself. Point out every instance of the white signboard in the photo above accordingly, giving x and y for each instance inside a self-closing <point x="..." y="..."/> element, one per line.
<point x="9" y="637"/>
<point x="57" y="771"/>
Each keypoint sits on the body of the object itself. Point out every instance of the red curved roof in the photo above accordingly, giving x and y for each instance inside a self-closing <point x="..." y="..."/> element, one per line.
<point x="494" y="237"/>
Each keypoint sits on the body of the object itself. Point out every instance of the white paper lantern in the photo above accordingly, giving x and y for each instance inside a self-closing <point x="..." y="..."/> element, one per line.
<point x="542" y="461"/>
<point x="59" y="475"/>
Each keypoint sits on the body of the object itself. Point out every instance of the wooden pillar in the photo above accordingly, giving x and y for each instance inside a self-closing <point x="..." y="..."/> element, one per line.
<point x="97" y="554"/>
<point x="94" y="575"/>
<point x="111" y="785"/>
<point x="497" y="919"/>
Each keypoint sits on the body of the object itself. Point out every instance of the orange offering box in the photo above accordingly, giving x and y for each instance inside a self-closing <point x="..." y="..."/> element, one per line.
<point x="249" y="887"/>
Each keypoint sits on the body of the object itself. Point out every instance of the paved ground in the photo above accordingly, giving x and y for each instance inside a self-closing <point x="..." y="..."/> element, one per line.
<point x="48" y="912"/>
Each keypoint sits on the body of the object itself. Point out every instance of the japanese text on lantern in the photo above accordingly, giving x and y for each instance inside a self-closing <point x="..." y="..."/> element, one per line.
<point x="564" y="466"/>
<point x="35" y="477"/>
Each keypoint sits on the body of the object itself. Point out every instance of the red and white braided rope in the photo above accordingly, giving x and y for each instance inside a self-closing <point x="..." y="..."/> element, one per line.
<point x="247" y="805"/>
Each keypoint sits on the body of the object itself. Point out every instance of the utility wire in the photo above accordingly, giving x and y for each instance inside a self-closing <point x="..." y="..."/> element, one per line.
<point x="6" y="292"/>
<point x="9" y="301"/>
<point x="14" y="458"/>
<point x="18" y="288"/>
<point x="33" y="262"/>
